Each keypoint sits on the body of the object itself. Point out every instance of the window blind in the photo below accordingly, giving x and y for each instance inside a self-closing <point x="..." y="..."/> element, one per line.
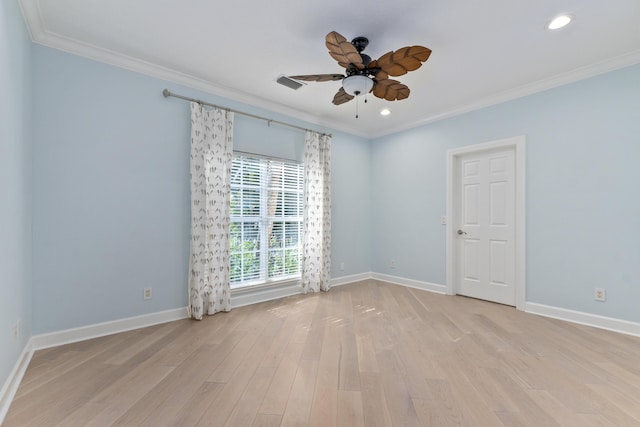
<point x="267" y="197"/>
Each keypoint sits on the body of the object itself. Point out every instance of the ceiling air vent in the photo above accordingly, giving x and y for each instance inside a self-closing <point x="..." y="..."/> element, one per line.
<point x="290" y="83"/>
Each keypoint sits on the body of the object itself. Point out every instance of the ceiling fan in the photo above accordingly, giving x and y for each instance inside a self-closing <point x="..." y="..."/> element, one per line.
<point x="364" y="75"/>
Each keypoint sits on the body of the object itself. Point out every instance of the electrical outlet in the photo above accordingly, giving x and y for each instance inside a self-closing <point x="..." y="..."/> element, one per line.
<point x="393" y="263"/>
<point x="600" y="294"/>
<point x="341" y="266"/>
<point x="443" y="220"/>
<point x="147" y="293"/>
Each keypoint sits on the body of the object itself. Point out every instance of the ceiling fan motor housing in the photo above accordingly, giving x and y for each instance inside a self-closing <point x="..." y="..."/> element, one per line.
<point x="360" y="43"/>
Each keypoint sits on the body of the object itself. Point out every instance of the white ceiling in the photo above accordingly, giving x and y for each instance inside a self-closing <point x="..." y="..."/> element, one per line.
<point x="484" y="52"/>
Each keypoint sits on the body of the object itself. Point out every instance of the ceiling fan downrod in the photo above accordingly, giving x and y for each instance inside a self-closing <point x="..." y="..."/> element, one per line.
<point x="360" y="43"/>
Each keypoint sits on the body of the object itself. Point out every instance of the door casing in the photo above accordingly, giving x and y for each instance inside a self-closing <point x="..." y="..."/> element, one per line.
<point x="518" y="145"/>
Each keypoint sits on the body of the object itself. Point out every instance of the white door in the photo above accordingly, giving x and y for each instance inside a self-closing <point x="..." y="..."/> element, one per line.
<point x="485" y="225"/>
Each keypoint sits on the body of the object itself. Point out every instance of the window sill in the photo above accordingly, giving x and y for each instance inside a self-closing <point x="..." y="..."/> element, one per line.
<point x="254" y="294"/>
<point x="273" y="284"/>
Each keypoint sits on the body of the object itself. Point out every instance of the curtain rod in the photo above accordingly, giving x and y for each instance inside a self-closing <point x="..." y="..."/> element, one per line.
<point x="167" y="94"/>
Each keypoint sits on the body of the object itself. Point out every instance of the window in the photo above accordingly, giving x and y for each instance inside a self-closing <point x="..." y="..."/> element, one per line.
<point x="266" y="220"/>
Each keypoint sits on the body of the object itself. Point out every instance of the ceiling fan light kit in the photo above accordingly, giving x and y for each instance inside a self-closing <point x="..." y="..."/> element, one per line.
<point x="364" y="75"/>
<point x="357" y="85"/>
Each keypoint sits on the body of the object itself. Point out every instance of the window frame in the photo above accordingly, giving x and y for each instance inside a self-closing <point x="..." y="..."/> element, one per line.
<point x="265" y="221"/>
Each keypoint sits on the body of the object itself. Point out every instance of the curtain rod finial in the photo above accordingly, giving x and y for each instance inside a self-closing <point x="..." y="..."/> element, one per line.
<point x="166" y="93"/>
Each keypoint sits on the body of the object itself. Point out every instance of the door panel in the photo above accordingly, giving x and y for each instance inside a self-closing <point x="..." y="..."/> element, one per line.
<point x="471" y="200"/>
<point x="471" y="260"/>
<point x="486" y="261"/>
<point x="498" y="258"/>
<point x="498" y="195"/>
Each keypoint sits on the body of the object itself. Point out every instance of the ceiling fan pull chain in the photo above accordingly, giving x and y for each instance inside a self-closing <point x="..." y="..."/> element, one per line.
<point x="357" y="107"/>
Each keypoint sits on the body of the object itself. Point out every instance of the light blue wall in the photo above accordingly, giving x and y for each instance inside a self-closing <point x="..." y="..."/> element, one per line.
<point x="15" y="184"/>
<point x="583" y="204"/>
<point x="351" y="205"/>
<point x="111" y="194"/>
<point x="112" y="190"/>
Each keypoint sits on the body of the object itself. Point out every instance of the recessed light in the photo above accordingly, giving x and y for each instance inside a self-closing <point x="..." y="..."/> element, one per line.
<point x="559" y="22"/>
<point x="385" y="112"/>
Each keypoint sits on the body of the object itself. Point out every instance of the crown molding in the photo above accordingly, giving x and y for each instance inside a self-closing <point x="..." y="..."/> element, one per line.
<point x="40" y="35"/>
<point x="32" y="17"/>
<point x="572" y="76"/>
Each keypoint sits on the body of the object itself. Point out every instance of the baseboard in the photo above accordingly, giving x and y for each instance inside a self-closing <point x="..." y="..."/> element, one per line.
<point x="106" y="328"/>
<point x="52" y="339"/>
<point x="345" y="280"/>
<point x="12" y="383"/>
<point x="240" y="297"/>
<point x="588" y="319"/>
<point x="410" y="283"/>
<point x="260" y="295"/>
<point x="112" y="327"/>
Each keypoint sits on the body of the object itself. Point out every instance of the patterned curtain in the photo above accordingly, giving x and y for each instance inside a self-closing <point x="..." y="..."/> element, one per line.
<point x="211" y="155"/>
<point x="316" y="258"/>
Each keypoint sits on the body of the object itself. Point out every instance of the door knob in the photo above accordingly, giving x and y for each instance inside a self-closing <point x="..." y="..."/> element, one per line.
<point x="460" y="232"/>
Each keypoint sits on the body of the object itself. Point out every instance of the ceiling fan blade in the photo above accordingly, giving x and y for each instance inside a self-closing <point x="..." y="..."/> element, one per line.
<point x="379" y="74"/>
<point x="402" y="60"/>
<point x="318" y="77"/>
<point x="341" y="97"/>
<point x="391" y="90"/>
<point x="343" y="51"/>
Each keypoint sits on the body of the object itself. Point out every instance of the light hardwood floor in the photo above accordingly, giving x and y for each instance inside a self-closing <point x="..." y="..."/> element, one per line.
<point x="365" y="354"/>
